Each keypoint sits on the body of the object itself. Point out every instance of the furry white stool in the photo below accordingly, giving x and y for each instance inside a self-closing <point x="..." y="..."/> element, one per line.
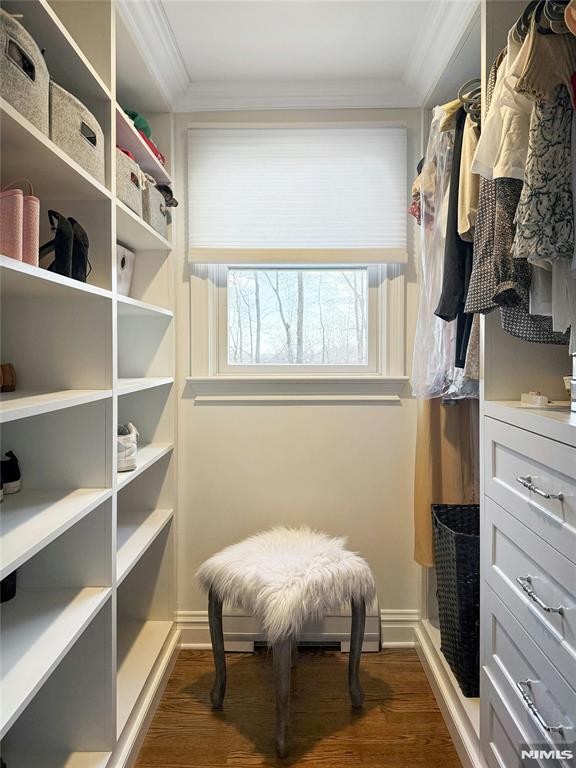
<point x="286" y="576"/>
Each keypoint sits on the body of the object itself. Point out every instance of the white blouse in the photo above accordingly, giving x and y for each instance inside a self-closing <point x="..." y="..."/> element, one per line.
<point x="503" y="144"/>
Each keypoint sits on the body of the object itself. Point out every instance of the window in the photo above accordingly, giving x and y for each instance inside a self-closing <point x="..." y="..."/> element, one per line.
<point x="280" y="195"/>
<point x="295" y="232"/>
<point x="309" y="318"/>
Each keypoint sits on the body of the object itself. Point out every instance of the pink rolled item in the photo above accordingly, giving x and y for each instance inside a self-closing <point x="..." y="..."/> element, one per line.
<point x="11" y="217"/>
<point x="31" y="230"/>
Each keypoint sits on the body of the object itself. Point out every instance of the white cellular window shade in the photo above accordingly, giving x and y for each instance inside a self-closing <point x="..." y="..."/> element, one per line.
<point x="297" y="195"/>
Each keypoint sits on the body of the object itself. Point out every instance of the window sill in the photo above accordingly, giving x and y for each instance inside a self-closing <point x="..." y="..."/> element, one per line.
<point x="296" y="389"/>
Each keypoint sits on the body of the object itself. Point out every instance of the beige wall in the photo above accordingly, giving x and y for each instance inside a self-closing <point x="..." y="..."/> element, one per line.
<point x="346" y="469"/>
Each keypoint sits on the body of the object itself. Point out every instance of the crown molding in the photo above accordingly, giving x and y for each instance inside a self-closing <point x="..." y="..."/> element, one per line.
<point x="309" y="94"/>
<point x="445" y="25"/>
<point x="152" y="33"/>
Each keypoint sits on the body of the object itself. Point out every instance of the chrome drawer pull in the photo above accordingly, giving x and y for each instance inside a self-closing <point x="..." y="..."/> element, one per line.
<point x="526" y="584"/>
<point x="524" y="686"/>
<point x="526" y="481"/>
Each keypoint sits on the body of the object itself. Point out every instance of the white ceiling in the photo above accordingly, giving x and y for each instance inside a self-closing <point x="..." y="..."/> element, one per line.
<point x="250" y="54"/>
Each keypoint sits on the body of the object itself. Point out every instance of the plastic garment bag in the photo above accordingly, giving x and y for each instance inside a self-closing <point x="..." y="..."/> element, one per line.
<point x="434" y="373"/>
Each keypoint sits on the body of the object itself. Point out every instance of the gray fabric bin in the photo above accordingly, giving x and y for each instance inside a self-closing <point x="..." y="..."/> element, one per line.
<point x="75" y="130"/>
<point x="154" y="209"/>
<point x="24" y="78"/>
<point x="128" y="182"/>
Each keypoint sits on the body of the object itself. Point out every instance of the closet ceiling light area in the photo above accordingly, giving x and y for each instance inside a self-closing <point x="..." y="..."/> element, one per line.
<point x="254" y="55"/>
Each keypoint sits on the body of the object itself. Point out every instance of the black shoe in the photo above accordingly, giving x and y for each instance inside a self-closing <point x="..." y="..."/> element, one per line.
<point x="10" y="473"/>
<point x="81" y="266"/>
<point x="61" y="245"/>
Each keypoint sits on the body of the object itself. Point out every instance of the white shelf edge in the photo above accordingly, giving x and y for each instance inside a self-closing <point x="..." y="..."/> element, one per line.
<point x="49" y="145"/>
<point x="73" y="759"/>
<point x="157" y="167"/>
<point x="43" y="275"/>
<point x="153" y="524"/>
<point x="147" y="456"/>
<point x="138" y="664"/>
<point x="461" y="714"/>
<point x="37" y="496"/>
<point x="126" y="386"/>
<point x="37" y="403"/>
<point x="135" y="306"/>
<point x="286" y="398"/>
<point x="162" y="243"/>
<point x="96" y="596"/>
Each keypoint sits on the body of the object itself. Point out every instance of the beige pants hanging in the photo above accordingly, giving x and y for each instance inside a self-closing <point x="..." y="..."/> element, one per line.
<point x="447" y="470"/>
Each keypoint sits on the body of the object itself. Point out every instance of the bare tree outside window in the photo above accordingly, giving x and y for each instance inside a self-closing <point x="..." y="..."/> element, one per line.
<point x="297" y="316"/>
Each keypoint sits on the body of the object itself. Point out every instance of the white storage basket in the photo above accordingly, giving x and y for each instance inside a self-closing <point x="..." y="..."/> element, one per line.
<point x="124" y="269"/>
<point x="75" y="130"/>
<point x="24" y="78"/>
<point x="154" y="209"/>
<point x="128" y="182"/>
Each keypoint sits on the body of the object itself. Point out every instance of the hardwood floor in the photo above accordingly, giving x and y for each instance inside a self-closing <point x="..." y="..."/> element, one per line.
<point x="399" y="727"/>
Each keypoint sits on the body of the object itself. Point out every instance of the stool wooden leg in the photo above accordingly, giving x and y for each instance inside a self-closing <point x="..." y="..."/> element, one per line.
<point x="356" y="640"/>
<point x="282" y="668"/>
<point x="217" y="637"/>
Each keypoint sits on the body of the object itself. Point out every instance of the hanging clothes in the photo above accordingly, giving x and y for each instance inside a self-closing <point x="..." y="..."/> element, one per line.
<point x="457" y="257"/>
<point x="545" y="216"/>
<point x="468" y="185"/>
<point x="434" y="373"/>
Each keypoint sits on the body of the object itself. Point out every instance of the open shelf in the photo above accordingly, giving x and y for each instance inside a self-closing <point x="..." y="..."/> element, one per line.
<point x="126" y="386"/>
<point x="21" y="279"/>
<point x="136" y="234"/>
<point x="128" y="137"/>
<point x="22" y="404"/>
<point x="147" y="455"/>
<point x="67" y="64"/>
<point x="129" y="307"/>
<point x="139" y="645"/>
<point x="136" y="532"/>
<point x="27" y="152"/>
<point x="38" y="628"/>
<point x="31" y="519"/>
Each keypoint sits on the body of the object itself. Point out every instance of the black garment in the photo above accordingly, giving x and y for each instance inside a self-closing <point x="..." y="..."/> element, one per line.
<point x="457" y="258"/>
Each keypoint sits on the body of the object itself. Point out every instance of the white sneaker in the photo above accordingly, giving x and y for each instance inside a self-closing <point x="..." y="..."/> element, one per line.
<point x="127" y="446"/>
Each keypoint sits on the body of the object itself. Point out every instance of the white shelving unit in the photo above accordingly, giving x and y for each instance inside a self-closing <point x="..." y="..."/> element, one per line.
<point x="93" y="548"/>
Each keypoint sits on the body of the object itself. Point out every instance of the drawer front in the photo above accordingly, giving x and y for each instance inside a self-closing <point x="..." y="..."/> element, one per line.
<point x="526" y="573"/>
<point x="502" y="741"/>
<point x="511" y="658"/>
<point x="521" y="470"/>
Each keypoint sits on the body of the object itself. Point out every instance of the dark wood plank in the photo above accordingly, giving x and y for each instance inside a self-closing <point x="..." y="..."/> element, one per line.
<point x="400" y="725"/>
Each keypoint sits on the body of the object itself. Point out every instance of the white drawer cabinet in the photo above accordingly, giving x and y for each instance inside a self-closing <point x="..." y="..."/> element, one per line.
<point x="502" y="738"/>
<point x="533" y="478"/>
<point x="535" y="582"/>
<point x="541" y="702"/>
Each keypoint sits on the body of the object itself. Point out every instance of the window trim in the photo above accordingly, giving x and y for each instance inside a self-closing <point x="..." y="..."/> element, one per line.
<point x="375" y="338"/>
<point x="206" y="386"/>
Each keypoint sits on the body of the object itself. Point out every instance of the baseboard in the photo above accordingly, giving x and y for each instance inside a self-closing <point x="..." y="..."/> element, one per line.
<point x="130" y="742"/>
<point x="384" y="629"/>
<point x="460" y="714"/>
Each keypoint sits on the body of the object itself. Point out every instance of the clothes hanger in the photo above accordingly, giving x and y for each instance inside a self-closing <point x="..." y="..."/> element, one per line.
<point x="469" y="94"/>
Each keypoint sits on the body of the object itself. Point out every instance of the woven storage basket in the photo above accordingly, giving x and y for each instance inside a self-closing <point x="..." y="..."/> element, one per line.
<point x="75" y="130"/>
<point x="456" y="531"/>
<point x="24" y="78"/>
<point x="154" y="209"/>
<point x="128" y="181"/>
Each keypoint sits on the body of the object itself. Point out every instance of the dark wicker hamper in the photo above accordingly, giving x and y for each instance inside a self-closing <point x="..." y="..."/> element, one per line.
<point x="457" y="556"/>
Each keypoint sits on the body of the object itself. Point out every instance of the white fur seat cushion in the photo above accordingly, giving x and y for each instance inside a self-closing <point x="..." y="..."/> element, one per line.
<point x="285" y="576"/>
